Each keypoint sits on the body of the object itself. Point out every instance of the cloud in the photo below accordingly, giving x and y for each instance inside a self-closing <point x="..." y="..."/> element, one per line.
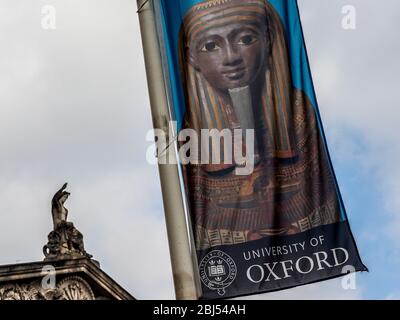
<point x="393" y="296"/>
<point x="122" y="219"/>
<point x="355" y="74"/>
<point x="328" y="290"/>
<point x="356" y="85"/>
<point x="74" y="107"/>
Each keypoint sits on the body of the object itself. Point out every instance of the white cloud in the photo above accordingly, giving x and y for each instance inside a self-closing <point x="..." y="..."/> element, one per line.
<point x="393" y="296"/>
<point x="74" y="107"/>
<point x="356" y="79"/>
<point x="328" y="290"/>
<point x="121" y="217"/>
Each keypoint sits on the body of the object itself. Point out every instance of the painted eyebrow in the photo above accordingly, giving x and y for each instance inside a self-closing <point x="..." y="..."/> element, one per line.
<point x="255" y="28"/>
<point x="249" y="26"/>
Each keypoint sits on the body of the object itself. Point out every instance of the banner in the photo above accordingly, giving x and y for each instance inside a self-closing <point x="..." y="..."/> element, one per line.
<point x="263" y="199"/>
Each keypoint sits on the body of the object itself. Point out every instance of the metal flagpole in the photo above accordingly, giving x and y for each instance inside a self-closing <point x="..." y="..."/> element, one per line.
<point x="178" y="235"/>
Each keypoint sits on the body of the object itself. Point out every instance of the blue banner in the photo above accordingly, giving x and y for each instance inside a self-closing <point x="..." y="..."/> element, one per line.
<point x="265" y="206"/>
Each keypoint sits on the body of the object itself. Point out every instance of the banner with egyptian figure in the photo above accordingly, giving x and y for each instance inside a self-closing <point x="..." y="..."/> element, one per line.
<point x="263" y="199"/>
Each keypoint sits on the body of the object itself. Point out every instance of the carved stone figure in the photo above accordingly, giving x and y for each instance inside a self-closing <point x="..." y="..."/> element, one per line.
<point x="68" y="272"/>
<point x="59" y="212"/>
<point x="65" y="241"/>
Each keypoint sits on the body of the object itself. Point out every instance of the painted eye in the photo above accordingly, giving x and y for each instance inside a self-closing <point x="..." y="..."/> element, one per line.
<point x="247" y="40"/>
<point x="210" y="47"/>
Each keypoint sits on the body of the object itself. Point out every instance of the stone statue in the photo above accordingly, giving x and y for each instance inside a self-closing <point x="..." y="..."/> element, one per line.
<point x="59" y="212"/>
<point x="65" y="241"/>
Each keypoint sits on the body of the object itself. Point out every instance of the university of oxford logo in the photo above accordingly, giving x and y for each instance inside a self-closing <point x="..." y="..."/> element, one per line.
<point x="217" y="271"/>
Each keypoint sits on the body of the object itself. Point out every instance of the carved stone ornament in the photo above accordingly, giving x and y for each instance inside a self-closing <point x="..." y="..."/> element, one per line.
<point x="66" y="242"/>
<point x="70" y="288"/>
<point x="75" y="288"/>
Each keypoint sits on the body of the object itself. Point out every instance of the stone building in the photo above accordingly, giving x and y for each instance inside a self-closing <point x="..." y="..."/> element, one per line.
<point x="67" y="272"/>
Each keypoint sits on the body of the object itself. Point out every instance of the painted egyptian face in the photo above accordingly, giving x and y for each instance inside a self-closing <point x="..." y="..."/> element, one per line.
<point x="230" y="56"/>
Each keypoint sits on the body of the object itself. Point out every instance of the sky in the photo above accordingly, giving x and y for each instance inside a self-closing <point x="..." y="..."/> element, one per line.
<point x="74" y="108"/>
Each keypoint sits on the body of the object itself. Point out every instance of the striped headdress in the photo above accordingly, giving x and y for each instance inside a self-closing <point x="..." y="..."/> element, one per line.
<point x="205" y="110"/>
